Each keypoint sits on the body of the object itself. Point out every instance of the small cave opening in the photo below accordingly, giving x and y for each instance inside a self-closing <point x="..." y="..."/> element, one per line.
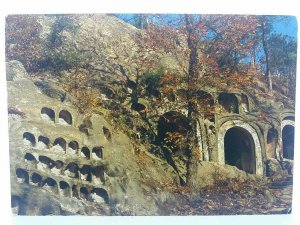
<point x="65" y="118"/>
<point x="56" y="167"/>
<point x="22" y="175"/>
<point x="85" y="152"/>
<point x="72" y="170"/>
<point x="240" y="149"/>
<point x="86" y="173"/>
<point x="48" y="114"/>
<point x="30" y="158"/>
<point x="272" y="140"/>
<point x="98" y="173"/>
<point x="97" y="152"/>
<point x="49" y="182"/>
<point x="59" y="145"/>
<point x="245" y="103"/>
<point x="64" y="189"/>
<point x="58" y="164"/>
<point x="36" y="179"/>
<point x="107" y="133"/>
<point x="84" y="193"/>
<point x="43" y="143"/>
<point x="73" y="147"/>
<point x="229" y="102"/>
<point x="288" y="136"/>
<point x="173" y="128"/>
<point x="63" y="185"/>
<point x="45" y="162"/>
<point x="28" y="139"/>
<point x="100" y="195"/>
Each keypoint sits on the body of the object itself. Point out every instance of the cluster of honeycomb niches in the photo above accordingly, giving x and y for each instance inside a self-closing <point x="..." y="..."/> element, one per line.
<point x="61" y="146"/>
<point x="61" y="187"/>
<point x="72" y="170"/>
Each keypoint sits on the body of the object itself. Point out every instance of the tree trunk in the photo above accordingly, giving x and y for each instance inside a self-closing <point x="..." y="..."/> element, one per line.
<point x="192" y="164"/>
<point x="268" y="78"/>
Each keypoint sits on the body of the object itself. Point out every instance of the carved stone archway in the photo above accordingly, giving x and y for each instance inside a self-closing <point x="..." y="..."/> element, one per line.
<point x="245" y="126"/>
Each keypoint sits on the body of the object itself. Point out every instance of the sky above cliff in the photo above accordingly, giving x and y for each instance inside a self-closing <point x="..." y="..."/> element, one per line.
<point x="288" y="27"/>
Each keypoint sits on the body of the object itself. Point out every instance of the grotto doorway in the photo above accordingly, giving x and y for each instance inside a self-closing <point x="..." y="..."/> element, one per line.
<point x="240" y="149"/>
<point x="288" y="133"/>
<point x="229" y="102"/>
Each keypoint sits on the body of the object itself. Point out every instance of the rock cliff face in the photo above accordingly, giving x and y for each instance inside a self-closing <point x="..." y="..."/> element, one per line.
<point x="65" y="162"/>
<point x="52" y="160"/>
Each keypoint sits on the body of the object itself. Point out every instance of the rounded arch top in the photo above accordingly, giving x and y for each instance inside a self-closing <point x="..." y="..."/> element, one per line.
<point x="248" y="128"/>
<point x="65" y="117"/>
<point x="287" y="122"/>
<point x="229" y="102"/>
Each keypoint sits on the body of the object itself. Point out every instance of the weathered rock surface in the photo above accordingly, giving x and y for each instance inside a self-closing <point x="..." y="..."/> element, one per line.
<point x="106" y="163"/>
<point x="15" y="71"/>
<point x="129" y="185"/>
<point x="275" y="170"/>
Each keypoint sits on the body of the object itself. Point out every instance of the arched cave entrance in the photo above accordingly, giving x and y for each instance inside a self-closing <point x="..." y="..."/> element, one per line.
<point x="64" y="188"/>
<point x="65" y="117"/>
<point x="240" y="149"/>
<point x="36" y="179"/>
<point x="98" y="175"/>
<point x="97" y="152"/>
<point x="48" y="114"/>
<point x="85" y="173"/>
<point x="72" y="170"/>
<point x="50" y="184"/>
<point x="73" y="147"/>
<point x="173" y="128"/>
<point x="272" y="140"/>
<point x="30" y="159"/>
<point x="43" y="143"/>
<point x="22" y="175"/>
<point x="28" y="139"/>
<point x="85" y="152"/>
<point x="56" y="167"/>
<point x="229" y="102"/>
<point x="45" y="162"/>
<point x="288" y="133"/>
<point x="59" y="145"/>
<point x="100" y="195"/>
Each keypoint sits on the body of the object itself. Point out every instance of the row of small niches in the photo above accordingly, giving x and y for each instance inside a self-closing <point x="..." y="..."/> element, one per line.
<point x="62" y="187"/>
<point x="85" y="173"/>
<point x="60" y="146"/>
